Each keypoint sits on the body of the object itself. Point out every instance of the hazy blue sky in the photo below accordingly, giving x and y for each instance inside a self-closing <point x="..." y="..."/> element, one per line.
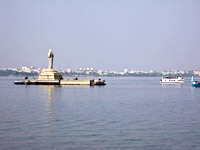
<point x="103" y="34"/>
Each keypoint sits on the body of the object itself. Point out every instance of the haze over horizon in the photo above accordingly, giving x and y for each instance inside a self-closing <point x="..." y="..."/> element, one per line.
<point x="108" y="35"/>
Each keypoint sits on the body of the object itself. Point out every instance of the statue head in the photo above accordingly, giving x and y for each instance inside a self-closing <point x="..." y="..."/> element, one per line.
<point x="50" y="54"/>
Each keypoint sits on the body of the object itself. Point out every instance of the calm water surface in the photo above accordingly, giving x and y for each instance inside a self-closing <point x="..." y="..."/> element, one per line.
<point x="127" y="113"/>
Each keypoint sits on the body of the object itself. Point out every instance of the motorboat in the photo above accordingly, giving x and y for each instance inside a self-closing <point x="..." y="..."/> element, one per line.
<point x="171" y="80"/>
<point x="195" y="83"/>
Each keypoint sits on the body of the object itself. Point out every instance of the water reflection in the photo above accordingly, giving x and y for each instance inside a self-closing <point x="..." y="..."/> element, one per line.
<point x="194" y="91"/>
<point x="48" y="93"/>
<point x="168" y="85"/>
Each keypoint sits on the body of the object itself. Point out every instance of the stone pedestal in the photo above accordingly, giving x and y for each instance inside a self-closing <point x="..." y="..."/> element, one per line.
<point x="49" y="75"/>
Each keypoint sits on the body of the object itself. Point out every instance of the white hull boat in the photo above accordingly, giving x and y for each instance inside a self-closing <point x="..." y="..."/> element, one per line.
<point x="171" y="80"/>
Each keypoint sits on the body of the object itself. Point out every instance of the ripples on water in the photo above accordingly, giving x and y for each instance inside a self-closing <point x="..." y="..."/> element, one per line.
<point x="127" y="113"/>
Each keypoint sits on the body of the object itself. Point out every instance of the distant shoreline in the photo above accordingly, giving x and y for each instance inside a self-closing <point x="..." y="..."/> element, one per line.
<point x="96" y="76"/>
<point x="10" y="73"/>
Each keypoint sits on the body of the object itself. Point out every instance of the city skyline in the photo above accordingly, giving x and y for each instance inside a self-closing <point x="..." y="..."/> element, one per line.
<point x="93" y="71"/>
<point x="91" y="68"/>
<point x="111" y="35"/>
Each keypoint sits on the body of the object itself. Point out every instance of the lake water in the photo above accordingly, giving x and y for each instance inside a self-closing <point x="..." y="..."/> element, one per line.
<point x="127" y="113"/>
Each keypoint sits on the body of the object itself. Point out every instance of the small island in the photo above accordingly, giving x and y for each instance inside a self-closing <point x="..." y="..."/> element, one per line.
<point x="51" y="76"/>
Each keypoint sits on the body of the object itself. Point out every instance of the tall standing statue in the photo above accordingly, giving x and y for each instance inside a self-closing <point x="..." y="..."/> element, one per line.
<point x="50" y="56"/>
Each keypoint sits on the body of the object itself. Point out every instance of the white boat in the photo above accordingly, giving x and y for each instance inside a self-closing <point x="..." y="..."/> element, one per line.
<point x="171" y="80"/>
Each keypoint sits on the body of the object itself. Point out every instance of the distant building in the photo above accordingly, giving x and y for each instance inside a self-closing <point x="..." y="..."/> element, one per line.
<point x="165" y="72"/>
<point x="125" y="71"/>
<point x="80" y="70"/>
<point x="69" y="70"/>
<point x="87" y="72"/>
<point x="14" y="69"/>
<point x="196" y="72"/>
<point x="100" y="72"/>
<point x="151" y="71"/>
<point x="132" y="71"/>
<point x="26" y="69"/>
<point x="30" y="69"/>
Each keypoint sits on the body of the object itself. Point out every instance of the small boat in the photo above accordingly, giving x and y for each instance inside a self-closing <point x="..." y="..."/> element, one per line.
<point x="172" y="80"/>
<point x="195" y="83"/>
<point x="98" y="82"/>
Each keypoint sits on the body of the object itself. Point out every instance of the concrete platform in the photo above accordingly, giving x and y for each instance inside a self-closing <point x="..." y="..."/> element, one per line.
<point x="75" y="82"/>
<point x="38" y="82"/>
<point x="61" y="82"/>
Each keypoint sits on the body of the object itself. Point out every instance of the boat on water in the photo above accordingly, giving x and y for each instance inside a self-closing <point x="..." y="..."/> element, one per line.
<point x="195" y="83"/>
<point x="172" y="80"/>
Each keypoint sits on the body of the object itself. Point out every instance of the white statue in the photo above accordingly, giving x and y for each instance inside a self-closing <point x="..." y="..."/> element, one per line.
<point x="50" y="56"/>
